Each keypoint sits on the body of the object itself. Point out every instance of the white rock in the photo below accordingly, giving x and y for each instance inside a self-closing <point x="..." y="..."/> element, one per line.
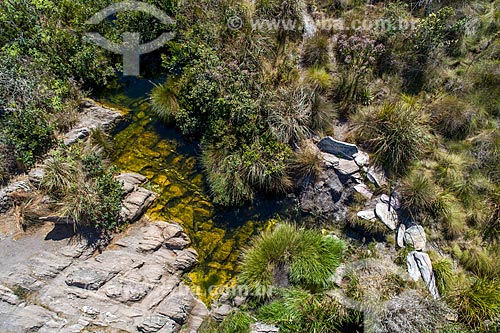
<point x="388" y="217"/>
<point x="377" y="176"/>
<point x="363" y="190"/>
<point x="368" y="215"/>
<point x="400" y="235"/>
<point x="361" y="158"/>
<point x="415" y="237"/>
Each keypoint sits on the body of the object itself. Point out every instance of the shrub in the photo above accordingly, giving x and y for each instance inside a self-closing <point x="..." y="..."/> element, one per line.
<point x="479" y="302"/>
<point x="29" y="133"/>
<point x="289" y="255"/>
<point x="318" y="78"/>
<point x="61" y="174"/>
<point x="396" y="133"/>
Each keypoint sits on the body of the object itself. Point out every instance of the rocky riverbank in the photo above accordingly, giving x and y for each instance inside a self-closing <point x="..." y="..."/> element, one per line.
<point x="54" y="280"/>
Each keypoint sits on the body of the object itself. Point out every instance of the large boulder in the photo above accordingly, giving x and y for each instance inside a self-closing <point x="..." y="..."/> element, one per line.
<point x="338" y="148"/>
<point x="415" y="237"/>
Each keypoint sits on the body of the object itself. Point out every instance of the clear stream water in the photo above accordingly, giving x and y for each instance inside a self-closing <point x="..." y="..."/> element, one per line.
<point x="145" y="145"/>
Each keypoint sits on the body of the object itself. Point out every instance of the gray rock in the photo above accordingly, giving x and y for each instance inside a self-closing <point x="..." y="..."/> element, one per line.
<point x="35" y="176"/>
<point x="377" y="176"/>
<point x="178" y="304"/>
<point x="75" y="135"/>
<point x="363" y="190"/>
<point x="388" y="217"/>
<point x="8" y="296"/>
<point x="88" y="278"/>
<point x="392" y="200"/>
<point x="330" y="160"/>
<point x="413" y="270"/>
<point x="424" y="265"/>
<point x="130" y="181"/>
<point x="361" y="158"/>
<point x="415" y="237"/>
<point x="126" y="291"/>
<point x="346" y="167"/>
<point x="368" y="215"/>
<point x="221" y="312"/>
<point x="94" y="116"/>
<point x="400" y="234"/>
<point x="326" y="195"/>
<point x="5" y="198"/>
<point x="263" y="328"/>
<point x="32" y="318"/>
<point x="135" y="204"/>
<point x="154" y="323"/>
<point x="338" y="148"/>
<point x="47" y="265"/>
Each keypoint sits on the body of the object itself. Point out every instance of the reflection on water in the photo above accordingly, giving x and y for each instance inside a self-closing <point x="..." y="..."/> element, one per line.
<point x="146" y="146"/>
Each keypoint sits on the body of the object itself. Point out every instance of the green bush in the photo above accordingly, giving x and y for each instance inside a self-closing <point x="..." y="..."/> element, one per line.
<point x="396" y="133"/>
<point x="479" y="302"/>
<point x="85" y="188"/>
<point x="29" y="132"/>
<point x="289" y="255"/>
<point x="299" y="311"/>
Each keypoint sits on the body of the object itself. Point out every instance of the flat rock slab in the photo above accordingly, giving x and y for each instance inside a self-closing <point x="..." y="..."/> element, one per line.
<point x="346" y="167"/>
<point x="364" y="190"/>
<point x="338" y="148"/>
<point x="377" y="176"/>
<point x="388" y="217"/>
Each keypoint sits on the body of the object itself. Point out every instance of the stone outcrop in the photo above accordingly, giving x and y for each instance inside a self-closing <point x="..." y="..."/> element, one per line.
<point x="92" y="116"/>
<point x="387" y="215"/>
<point x="134" y="285"/>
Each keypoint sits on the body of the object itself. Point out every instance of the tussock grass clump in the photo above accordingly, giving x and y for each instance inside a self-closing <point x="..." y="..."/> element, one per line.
<point x="396" y="133"/>
<point x="306" y="163"/>
<point x="164" y="101"/>
<point x="318" y="78"/>
<point x="300" y="311"/>
<point x="479" y="302"/>
<point x="443" y="273"/>
<point x="290" y="114"/>
<point x="291" y="256"/>
<point x="419" y="192"/>
<point x="453" y="118"/>
<point x="316" y="51"/>
<point x="235" y="322"/>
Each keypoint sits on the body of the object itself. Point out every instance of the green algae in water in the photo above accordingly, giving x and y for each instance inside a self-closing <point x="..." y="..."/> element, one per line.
<point x="146" y="146"/>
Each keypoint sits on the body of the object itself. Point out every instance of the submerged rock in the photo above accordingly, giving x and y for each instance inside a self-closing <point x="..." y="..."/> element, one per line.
<point x="338" y="148"/>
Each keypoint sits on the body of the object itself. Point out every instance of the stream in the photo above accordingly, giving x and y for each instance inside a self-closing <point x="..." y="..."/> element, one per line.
<point x="145" y="145"/>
